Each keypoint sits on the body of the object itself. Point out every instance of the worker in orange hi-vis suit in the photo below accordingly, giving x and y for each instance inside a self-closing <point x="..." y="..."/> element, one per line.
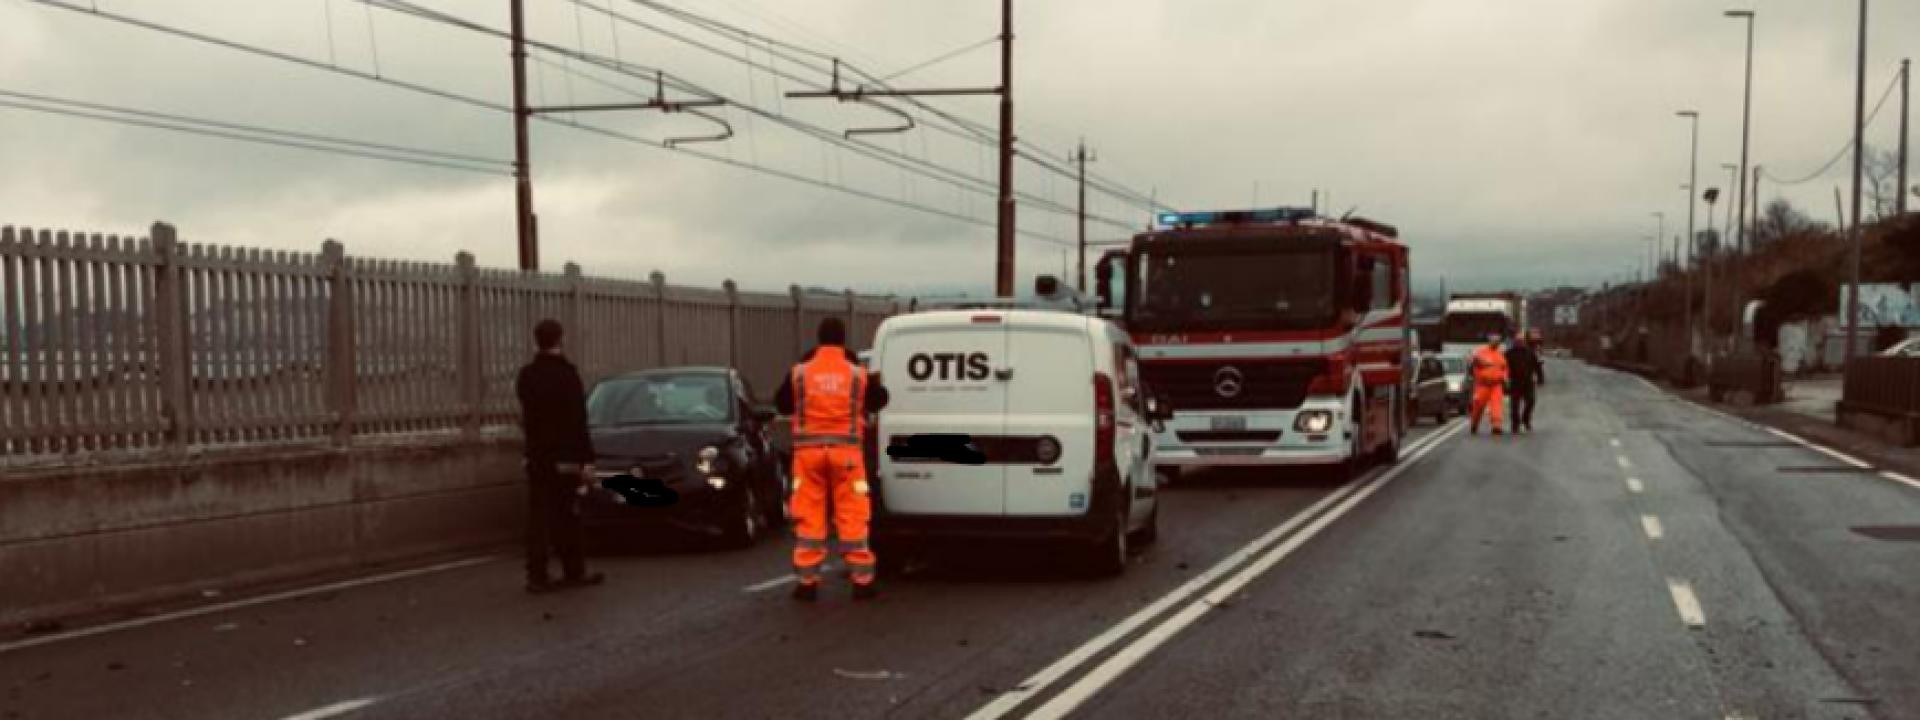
<point x="828" y="396"/>
<point x="1489" y="373"/>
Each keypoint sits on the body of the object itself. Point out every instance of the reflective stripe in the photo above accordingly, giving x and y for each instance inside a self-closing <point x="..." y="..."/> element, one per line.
<point x="858" y="399"/>
<point x="854" y="546"/>
<point x="799" y="400"/>
<point x="808" y="575"/>
<point x="857" y="564"/>
<point x="811" y="440"/>
<point x="809" y="544"/>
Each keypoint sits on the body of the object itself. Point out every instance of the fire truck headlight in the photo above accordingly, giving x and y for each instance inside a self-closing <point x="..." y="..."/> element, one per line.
<point x="1313" y="421"/>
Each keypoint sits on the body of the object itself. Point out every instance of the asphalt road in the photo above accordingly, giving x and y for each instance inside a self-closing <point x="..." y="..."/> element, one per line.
<point x="1482" y="577"/>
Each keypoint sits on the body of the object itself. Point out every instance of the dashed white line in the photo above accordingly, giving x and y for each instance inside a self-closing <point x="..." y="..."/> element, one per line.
<point x="334" y="710"/>
<point x="1615" y="441"/>
<point x="248" y="602"/>
<point x="768" y="585"/>
<point x="1651" y="524"/>
<point x="1687" y="603"/>
<point x="1635" y="486"/>
<point x="1625" y="464"/>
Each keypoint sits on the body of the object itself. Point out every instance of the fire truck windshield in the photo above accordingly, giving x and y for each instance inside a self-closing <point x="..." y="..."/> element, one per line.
<point x="1242" y="289"/>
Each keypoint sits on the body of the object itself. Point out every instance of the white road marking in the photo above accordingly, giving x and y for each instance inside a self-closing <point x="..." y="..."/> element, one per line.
<point x="1902" y="479"/>
<point x="1688" y="604"/>
<point x="1635" y="486"/>
<point x="334" y="710"/>
<point x="1824" y="450"/>
<point x="1615" y="441"/>
<point x="768" y="585"/>
<point x="1625" y="464"/>
<point x="1651" y="523"/>
<point x="1107" y="672"/>
<point x="248" y="602"/>
<point x="1008" y="701"/>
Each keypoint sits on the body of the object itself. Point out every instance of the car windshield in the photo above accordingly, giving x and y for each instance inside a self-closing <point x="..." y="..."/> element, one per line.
<point x="680" y="398"/>
<point x="1454" y="364"/>
<point x="1263" y="289"/>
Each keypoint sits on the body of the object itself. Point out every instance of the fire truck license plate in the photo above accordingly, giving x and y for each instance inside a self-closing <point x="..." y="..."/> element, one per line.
<point x="1229" y="422"/>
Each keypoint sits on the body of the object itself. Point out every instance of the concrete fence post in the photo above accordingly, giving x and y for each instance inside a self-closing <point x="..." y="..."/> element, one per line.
<point x="579" y="345"/>
<point x="342" y="371"/>
<point x="733" y="323"/>
<point x="659" y="281"/>
<point x="799" y="319"/>
<point x="467" y="355"/>
<point x="170" y="339"/>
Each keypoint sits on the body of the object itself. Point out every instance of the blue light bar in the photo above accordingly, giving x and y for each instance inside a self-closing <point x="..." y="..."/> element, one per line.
<point x="1221" y="217"/>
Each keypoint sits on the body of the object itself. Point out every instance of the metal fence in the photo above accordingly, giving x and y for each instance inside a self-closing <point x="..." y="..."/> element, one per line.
<point x="115" y="343"/>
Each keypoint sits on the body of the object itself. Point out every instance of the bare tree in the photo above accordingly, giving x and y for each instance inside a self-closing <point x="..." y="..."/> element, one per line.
<point x="1781" y="219"/>
<point x="1882" y="175"/>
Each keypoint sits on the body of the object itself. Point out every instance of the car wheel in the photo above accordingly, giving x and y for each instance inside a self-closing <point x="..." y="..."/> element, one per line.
<point x="745" y="528"/>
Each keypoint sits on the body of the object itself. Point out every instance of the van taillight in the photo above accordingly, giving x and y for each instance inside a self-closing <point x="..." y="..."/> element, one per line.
<point x="1102" y="418"/>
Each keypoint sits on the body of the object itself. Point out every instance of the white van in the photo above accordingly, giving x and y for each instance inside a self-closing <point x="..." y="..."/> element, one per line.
<point x="1014" y="423"/>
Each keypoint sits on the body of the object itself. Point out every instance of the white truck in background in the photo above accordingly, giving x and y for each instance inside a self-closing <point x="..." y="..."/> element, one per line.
<point x="1470" y="317"/>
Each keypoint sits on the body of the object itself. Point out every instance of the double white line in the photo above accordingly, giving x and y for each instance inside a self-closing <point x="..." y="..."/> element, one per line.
<point x="1314" y="519"/>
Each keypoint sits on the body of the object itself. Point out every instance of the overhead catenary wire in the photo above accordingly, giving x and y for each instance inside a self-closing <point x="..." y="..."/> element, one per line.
<point x="943" y="57"/>
<point x="258" y="139"/>
<point x="488" y="105"/>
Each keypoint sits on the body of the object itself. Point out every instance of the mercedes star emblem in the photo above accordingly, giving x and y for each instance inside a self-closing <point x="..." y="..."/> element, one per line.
<point x="1227" y="381"/>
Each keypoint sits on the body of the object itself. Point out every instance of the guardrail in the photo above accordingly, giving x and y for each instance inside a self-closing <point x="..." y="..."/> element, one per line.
<point x="111" y="343"/>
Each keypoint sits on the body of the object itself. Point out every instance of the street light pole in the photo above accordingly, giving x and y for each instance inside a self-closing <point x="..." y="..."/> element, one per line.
<point x="1659" y="236"/>
<point x="1693" y="180"/>
<point x="1859" y="129"/>
<point x="1746" y="133"/>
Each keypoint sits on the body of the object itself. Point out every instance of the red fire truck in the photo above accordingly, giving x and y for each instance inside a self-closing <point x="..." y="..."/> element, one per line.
<point x="1277" y="336"/>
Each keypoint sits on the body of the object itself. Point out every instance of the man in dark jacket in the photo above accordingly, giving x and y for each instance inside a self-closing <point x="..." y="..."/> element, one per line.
<point x="1526" y="374"/>
<point x="559" y="457"/>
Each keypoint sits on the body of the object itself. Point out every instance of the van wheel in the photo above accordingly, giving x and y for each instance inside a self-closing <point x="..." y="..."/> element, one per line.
<point x="1108" y="557"/>
<point x="1149" y="532"/>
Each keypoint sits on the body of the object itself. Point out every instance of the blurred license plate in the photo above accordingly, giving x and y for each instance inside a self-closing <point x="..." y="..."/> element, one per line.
<point x="1229" y="423"/>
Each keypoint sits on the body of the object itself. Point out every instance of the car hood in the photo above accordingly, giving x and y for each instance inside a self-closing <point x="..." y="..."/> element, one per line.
<point x="658" y="441"/>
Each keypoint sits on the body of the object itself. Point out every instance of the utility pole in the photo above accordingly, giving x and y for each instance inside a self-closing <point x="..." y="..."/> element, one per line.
<point x="1080" y="157"/>
<point x="1900" y="190"/>
<point x="1859" y="130"/>
<point x="1753" y="218"/>
<point x="1003" y="265"/>
<point x="1693" y="241"/>
<point x="1004" y="272"/>
<point x="522" y="172"/>
<point x="528" y="225"/>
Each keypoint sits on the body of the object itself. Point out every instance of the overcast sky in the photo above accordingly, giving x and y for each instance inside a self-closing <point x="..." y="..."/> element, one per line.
<point x="1514" y="143"/>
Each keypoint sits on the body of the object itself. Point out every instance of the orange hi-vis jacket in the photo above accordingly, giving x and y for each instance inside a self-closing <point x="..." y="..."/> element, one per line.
<point x="828" y="394"/>
<point x="1489" y="366"/>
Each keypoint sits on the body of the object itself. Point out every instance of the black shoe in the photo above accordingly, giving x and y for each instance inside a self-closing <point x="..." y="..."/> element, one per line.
<point x="588" y="580"/>
<point x="806" y="592"/>
<point x="1498" y="431"/>
<point x="540" y="587"/>
<point x="865" y="592"/>
<point x="1473" y="429"/>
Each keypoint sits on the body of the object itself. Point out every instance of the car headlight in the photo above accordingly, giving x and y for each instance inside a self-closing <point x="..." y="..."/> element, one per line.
<point x="1313" y="421"/>
<point x="707" y="456"/>
<point x="717" y="483"/>
<point x="1046" y="450"/>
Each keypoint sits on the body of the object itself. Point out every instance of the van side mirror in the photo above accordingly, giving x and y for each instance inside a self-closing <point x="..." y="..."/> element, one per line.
<point x="1103" y="283"/>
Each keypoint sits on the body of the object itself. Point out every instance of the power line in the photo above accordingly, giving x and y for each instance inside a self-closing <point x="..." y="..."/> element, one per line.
<point x="1845" y="147"/>
<point x="943" y="57"/>
<point x="251" y="138"/>
<point x="241" y="127"/>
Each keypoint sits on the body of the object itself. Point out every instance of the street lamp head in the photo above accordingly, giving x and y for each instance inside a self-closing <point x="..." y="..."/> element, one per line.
<point x="1712" y="194"/>
<point x="1689" y="114"/>
<point x="1748" y="14"/>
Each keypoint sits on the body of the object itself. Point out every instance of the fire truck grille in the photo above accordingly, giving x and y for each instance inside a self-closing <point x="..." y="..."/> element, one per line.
<point x="1234" y="384"/>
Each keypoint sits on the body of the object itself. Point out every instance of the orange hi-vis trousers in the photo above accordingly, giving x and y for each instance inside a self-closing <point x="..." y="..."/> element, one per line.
<point x="839" y="470"/>
<point x="1488" y="398"/>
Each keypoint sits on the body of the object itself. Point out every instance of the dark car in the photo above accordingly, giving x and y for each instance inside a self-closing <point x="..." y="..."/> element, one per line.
<point x="696" y="431"/>
<point x="1430" y="393"/>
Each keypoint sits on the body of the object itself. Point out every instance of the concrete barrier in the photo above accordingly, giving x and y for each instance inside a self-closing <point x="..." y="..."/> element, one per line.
<point x="76" y="540"/>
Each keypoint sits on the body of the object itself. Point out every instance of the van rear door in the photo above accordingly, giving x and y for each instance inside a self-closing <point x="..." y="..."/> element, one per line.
<point x="940" y="375"/>
<point x="1050" y="395"/>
